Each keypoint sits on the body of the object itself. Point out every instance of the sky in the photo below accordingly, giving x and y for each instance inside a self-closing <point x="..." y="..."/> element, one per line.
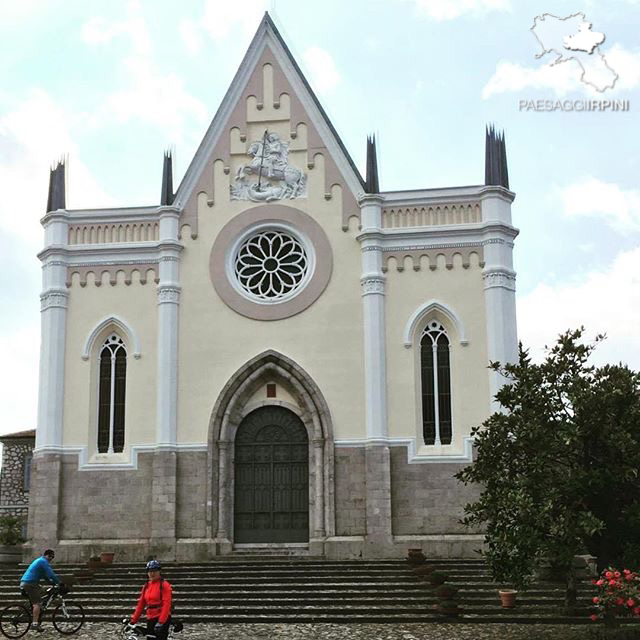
<point x="111" y="85"/>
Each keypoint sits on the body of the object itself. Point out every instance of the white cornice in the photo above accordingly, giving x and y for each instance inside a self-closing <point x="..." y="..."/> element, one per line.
<point x="444" y="195"/>
<point x="107" y="215"/>
<point x="458" y="234"/>
<point x="413" y="455"/>
<point x="116" y="253"/>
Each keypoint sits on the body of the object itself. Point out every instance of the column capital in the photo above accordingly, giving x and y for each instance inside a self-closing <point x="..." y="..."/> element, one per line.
<point x="499" y="278"/>
<point x="168" y="294"/>
<point x="53" y="298"/>
<point x="372" y="284"/>
<point x="370" y="199"/>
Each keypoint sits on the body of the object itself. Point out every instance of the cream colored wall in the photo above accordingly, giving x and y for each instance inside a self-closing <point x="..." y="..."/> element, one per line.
<point x="462" y="291"/>
<point x="88" y="306"/>
<point x="325" y="339"/>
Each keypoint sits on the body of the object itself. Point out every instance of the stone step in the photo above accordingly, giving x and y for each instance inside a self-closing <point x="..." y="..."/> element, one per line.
<point x="307" y="589"/>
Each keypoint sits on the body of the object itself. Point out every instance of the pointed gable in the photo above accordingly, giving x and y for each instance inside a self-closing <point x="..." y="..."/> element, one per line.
<point x="270" y="87"/>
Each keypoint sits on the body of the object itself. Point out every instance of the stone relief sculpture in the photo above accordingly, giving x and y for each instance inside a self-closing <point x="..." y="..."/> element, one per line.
<point x="276" y="178"/>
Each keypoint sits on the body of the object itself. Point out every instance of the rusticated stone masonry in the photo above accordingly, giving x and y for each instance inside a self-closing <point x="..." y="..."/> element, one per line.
<point x="12" y="478"/>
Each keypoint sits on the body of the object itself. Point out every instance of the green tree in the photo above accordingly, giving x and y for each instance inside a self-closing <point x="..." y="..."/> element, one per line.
<point x="559" y="467"/>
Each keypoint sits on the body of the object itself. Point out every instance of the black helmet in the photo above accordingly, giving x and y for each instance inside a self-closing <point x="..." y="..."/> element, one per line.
<point x="153" y="565"/>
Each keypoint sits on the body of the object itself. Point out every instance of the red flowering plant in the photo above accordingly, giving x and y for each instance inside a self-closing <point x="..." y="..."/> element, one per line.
<point x="618" y="594"/>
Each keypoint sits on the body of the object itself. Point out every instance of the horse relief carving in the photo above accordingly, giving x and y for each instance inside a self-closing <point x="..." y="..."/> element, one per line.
<point x="268" y="176"/>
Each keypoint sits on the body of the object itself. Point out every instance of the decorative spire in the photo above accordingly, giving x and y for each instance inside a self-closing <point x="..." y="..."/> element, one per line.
<point x="371" y="184"/>
<point x="166" y="195"/>
<point x="57" y="187"/>
<point x="495" y="162"/>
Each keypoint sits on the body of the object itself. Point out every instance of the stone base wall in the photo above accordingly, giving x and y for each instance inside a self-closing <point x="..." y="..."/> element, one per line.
<point x="105" y="504"/>
<point x="350" y="491"/>
<point x="159" y="509"/>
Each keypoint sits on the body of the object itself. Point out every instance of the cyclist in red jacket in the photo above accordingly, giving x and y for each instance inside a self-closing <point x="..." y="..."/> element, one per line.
<point x="155" y="600"/>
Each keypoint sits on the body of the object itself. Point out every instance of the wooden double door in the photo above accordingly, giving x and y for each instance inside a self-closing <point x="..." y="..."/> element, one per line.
<point x="271" y="495"/>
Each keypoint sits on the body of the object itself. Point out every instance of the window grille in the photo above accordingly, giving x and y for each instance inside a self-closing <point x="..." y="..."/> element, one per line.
<point x="435" y="370"/>
<point x="111" y="401"/>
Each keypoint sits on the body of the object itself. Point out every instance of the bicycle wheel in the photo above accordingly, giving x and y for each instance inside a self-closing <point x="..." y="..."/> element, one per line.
<point x="15" y="620"/>
<point x="68" y="617"/>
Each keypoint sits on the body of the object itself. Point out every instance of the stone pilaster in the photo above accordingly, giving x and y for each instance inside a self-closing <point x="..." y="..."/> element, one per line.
<point x="44" y="503"/>
<point x="378" y="471"/>
<point x="379" y="542"/>
<point x="163" y="503"/>
<point x="373" y="285"/>
<point x="168" y="297"/>
<point x="499" y="284"/>
<point x="45" y="479"/>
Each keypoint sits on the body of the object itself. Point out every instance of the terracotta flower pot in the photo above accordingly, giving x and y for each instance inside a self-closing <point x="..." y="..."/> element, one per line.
<point x="94" y="563"/>
<point x="106" y="557"/>
<point x="508" y="598"/>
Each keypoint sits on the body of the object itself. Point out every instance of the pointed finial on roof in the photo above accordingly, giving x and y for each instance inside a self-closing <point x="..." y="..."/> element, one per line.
<point x="57" y="198"/>
<point x="495" y="162"/>
<point x="372" y="184"/>
<point x="166" y="194"/>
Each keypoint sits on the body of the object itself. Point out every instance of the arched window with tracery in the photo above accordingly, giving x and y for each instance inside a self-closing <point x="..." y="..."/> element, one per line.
<point x="435" y="384"/>
<point x="113" y="374"/>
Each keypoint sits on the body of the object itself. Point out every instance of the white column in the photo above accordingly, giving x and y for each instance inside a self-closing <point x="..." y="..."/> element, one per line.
<point x="223" y="490"/>
<point x="372" y="282"/>
<point x="168" y="296"/>
<point x="499" y="284"/>
<point x="53" y="322"/>
<point x="318" y="456"/>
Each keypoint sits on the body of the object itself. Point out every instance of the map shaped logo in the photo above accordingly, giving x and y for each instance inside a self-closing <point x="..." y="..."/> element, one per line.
<point x="571" y="38"/>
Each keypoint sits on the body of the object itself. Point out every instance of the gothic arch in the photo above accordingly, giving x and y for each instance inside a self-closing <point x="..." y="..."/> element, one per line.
<point x="226" y="416"/>
<point x="118" y="324"/>
<point x="425" y="310"/>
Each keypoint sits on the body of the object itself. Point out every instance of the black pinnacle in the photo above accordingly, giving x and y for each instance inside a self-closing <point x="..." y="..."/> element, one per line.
<point x="166" y="195"/>
<point x="371" y="184"/>
<point x="495" y="162"/>
<point x="57" y="188"/>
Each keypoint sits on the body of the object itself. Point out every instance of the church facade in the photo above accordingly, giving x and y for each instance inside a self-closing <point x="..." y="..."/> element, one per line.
<point x="279" y="355"/>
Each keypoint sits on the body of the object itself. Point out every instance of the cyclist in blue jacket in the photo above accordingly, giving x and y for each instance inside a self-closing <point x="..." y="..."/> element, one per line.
<point x="39" y="569"/>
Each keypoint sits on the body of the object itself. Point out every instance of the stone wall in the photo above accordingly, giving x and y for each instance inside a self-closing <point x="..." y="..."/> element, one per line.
<point x="191" y="495"/>
<point x="14" y="454"/>
<point x="105" y="504"/>
<point x="350" y="491"/>
<point x="426" y="498"/>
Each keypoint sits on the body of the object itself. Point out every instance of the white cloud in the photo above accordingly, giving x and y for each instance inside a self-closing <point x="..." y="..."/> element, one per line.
<point x="32" y="135"/>
<point x="150" y="95"/>
<point x="604" y="302"/>
<point x="626" y="64"/>
<point x="322" y="69"/>
<point x="562" y="78"/>
<point x="220" y="18"/>
<point x="511" y="76"/>
<point x="99" y="30"/>
<point x="450" y="9"/>
<point x="19" y="381"/>
<point x="190" y="33"/>
<point x="594" y="198"/>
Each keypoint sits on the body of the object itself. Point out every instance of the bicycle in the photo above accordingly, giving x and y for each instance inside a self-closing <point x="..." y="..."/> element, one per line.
<point x="134" y="631"/>
<point x="68" y="616"/>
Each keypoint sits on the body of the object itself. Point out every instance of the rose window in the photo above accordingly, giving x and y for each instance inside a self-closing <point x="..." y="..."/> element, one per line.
<point x="271" y="265"/>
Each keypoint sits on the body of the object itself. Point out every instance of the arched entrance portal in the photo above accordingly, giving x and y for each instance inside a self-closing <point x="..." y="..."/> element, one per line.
<point x="271" y="496"/>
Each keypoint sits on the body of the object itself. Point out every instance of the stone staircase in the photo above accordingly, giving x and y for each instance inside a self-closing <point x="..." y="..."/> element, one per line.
<point x="261" y="588"/>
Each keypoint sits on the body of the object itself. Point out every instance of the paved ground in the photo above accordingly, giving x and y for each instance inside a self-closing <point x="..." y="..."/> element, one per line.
<point x="95" y="631"/>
